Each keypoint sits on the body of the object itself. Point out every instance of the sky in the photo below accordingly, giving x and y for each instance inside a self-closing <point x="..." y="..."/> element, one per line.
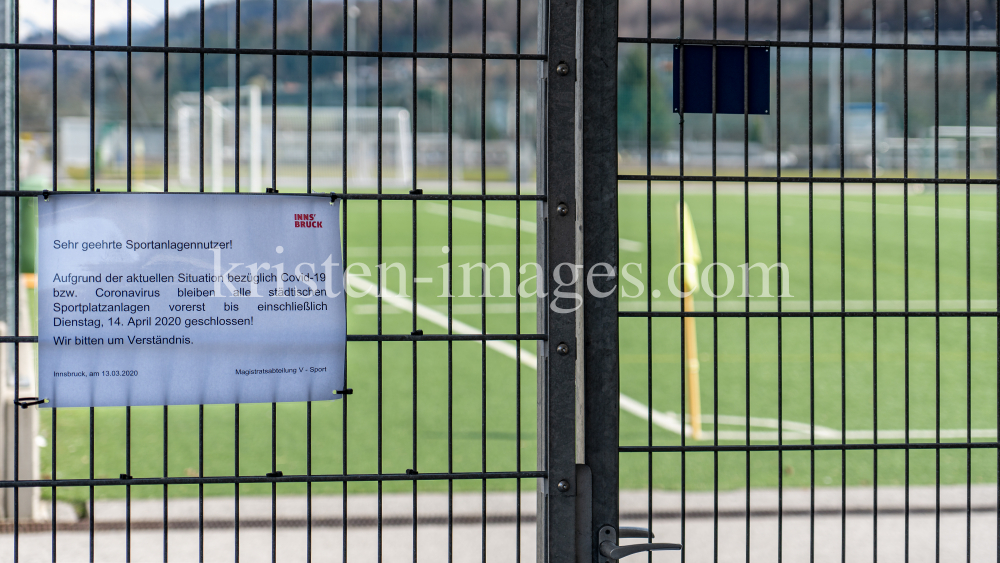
<point x="74" y="15"/>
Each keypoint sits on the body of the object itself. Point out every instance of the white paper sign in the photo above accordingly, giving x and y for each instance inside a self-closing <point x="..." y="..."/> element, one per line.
<point x="173" y="299"/>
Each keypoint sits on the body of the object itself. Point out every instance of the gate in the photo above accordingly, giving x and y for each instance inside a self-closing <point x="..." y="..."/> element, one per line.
<point x="833" y="428"/>
<point x="862" y="394"/>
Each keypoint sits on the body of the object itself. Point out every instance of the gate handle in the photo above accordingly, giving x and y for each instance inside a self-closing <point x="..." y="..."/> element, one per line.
<point x="611" y="551"/>
<point x="634" y="532"/>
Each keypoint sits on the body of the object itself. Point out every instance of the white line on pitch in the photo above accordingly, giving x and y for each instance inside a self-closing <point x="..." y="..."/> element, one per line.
<point x="527" y="308"/>
<point x="475" y="216"/>
<point x="434" y="317"/>
<point x="506" y="222"/>
<point x="791" y="430"/>
<point x="355" y="251"/>
<point x="769" y="304"/>
<point x="914" y="210"/>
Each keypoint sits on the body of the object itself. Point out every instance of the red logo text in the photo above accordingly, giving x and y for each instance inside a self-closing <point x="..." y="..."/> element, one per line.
<point x="307" y="221"/>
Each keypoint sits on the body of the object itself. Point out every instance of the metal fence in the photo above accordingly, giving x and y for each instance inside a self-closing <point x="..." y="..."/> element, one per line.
<point x="895" y="318"/>
<point x="786" y="469"/>
<point x="340" y="447"/>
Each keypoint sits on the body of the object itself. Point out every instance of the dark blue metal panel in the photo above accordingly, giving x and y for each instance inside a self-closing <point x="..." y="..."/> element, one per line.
<point x="729" y="79"/>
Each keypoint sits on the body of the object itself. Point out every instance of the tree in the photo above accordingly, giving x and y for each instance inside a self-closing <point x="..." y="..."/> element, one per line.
<point x="632" y="103"/>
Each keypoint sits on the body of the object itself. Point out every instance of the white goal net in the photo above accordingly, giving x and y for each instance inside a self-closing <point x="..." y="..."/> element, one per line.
<point x="289" y="153"/>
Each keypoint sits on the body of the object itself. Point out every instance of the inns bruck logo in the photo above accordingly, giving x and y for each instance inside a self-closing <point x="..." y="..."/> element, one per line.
<point x="307" y="221"/>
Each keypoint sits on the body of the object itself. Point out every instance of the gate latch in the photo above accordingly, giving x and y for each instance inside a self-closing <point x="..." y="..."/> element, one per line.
<point x="607" y="541"/>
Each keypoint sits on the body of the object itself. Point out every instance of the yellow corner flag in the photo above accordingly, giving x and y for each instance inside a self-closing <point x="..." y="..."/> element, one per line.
<point x="691" y="256"/>
<point x="691" y="253"/>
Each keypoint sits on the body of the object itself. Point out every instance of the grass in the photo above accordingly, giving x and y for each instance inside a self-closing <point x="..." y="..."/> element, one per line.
<point x="825" y="370"/>
<point x="825" y="367"/>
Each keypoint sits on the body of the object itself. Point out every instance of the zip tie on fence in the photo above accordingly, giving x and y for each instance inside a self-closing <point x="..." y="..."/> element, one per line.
<point x="275" y="474"/>
<point x="25" y="402"/>
<point x="344" y="392"/>
<point x="45" y="195"/>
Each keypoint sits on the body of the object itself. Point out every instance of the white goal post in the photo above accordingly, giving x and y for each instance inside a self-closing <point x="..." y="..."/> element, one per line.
<point x="291" y="138"/>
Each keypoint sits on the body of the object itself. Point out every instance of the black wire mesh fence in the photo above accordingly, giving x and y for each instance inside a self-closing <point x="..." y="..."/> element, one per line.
<point x="848" y="282"/>
<point x="845" y="285"/>
<point x="423" y="119"/>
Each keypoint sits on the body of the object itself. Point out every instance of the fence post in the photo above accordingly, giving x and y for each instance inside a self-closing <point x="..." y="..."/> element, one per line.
<point x="599" y="77"/>
<point x="558" y="252"/>
<point x="18" y="427"/>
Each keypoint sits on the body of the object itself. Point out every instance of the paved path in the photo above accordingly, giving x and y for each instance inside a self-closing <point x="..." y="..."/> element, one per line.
<point x="501" y="537"/>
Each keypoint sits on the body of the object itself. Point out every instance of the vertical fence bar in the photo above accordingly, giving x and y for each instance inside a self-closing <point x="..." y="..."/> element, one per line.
<point x="309" y="189"/>
<point x="781" y="381"/>
<point x="166" y="188"/>
<point x="715" y="280"/>
<point x="274" y="188"/>
<point x="483" y="274"/>
<point x="13" y="11"/>
<point x="746" y="243"/>
<point x="968" y="286"/>
<point x="128" y="188"/>
<point x="599" y="170"/>
<point x="906" y="281"/>
<point x="843" y="307"/>
<point x="874" y="172"/>
<point x="236" y="188"/>
<point x="380" y="277"/>
<point x="343" y="238"/>
<point x="937" y="284"/>
<point x="413" y="283"/>
<point x="599" y="52"/>
<point x="557" y="243"/>
<point x="91" y="173"/>
<point x="55" y="186"/>
<point x="996" y="210"/>
<point x="450" y="282"/>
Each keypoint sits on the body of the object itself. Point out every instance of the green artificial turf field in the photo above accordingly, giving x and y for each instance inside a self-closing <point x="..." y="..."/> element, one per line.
<point x="841" y="375"/>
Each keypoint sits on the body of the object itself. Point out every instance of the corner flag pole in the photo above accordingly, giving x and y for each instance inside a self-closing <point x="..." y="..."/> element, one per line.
<point x="691" y="256"/>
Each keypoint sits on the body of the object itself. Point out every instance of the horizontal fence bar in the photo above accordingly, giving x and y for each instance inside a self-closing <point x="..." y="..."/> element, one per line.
<point x="807" y="314"/>
<point x="811" y="447"/>
<point x="337" y="195"/>
<point x="83" y="525"/>
<point x="246" y="479"/>
<point x="270" y="52"/>
<point x="801" y="512"/>
<point x="440" y="337"/>
<point x="7" y="527"/>
<point x="453" y="197"/>
<point x="371" y="338"/>
<point x="18" y="339"/>
<point x="806" y="179"/>
<point x="812" y="44"/>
